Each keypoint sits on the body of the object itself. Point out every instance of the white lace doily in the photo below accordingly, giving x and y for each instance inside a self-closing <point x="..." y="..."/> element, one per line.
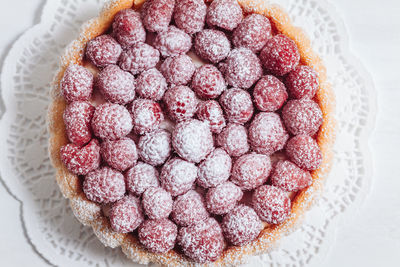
<point x="25" y="167"/>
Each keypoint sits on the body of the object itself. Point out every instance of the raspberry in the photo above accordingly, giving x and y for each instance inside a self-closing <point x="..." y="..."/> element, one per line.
<point x="151" y="84"/>
<point x="140" y="177"/>
<point x="76" y="84"/>
<point x="147" y="115"/>
<point x="215" y="169"/>
<point x="192" y="140"/>
<point x="202" y="242"/>
<point x="241" y="226"/>
<point x="304" y="152"/>
<point x="157" y="203"/>
<point x="119" y="154"/>
<point x="158" y="236"/>
<point x="103" y="51"/>
<point x="251" y="170"/>
<point x="172" y="42"/>
<point x="139" y="58"/>
<point x="155" y="147"/>
<point x="77" y="117"/>
<point x="190" y="15"/>
<point x="302" y="117"/>
<point x="128" y="28"/>
<point x="157" y="14"/>
<point x="226" y="14"/>
<point x="178" y="70"/>
<point x="189" y="209"/>
<point x="210" y="111"/>
<point x="237" y="105"/>
<point x="302" y="82"/>
<point x="223" y="198"/>
<point x="267" y="133"/>
<point x="252" y="33"/>
<point x="177" y="176"/>
<point x="289" y="177"/>
<point x="126" y="215"/>
<point x="181" y="102"/>
<point x="269" y="93"/>
<point x="212" y="45"/>
<point x="208" y="82"/>
<point x="81" y="160"/>
<point x="116" y="85"/>
<point x="271" y="204"/>
<point x="233" y="139"/>
<point x="104" y="185"/>
<point x="111" y="121"/>
<point x="280" y="55"/>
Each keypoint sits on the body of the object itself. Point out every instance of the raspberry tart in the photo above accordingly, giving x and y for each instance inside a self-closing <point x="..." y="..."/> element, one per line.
<point x="191" y="132"/>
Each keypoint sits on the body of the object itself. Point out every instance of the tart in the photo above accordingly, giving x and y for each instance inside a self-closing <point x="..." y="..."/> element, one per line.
<point x="191" y="132"/>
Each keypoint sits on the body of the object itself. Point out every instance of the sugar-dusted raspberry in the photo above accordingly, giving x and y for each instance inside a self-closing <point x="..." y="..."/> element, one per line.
<point x="192" y="140"/>
<point x="181" y="102"/>
<point x="271" y="203"/>
<point x="242" y="225"/>
<point x="119" y="154"/>
<point x="226" y="14"/>
<point x="302" y="82"/>
<point x="155" y="147"/>
<point x="141" y="177"/>
<point x="189" y="209"/>
<point x="223" y="198"/>
<point x="177" y="176"/>
<point x="208" y="82"/>
<point x="237" y="105"/>
<point x="215" y="169"/>
<point x="157" y="14"/>
<point x="212" y="45"/>
<point x="139" y="58"/>
<point x="178" y="70"/>
<point x="103" y="51"/>
<point x="104" y="185"/>
<point x="190" y="15"/>
<point x="147" y="116"/>
<point x="157" y="203"/>
<point x="210" y="111"/>
<point x="76" y="84"/>
<point x="126" y="214"/>
<point x="151" y="84"/>
<point x="289" y="177"/>
<point x="116" y="85"/>
<point x="128" y="28"/>
<point x="158" y="236"/>
<point x="280" y="55"/>
<point x="203" y="242"/>
<point x="111" y="121"/>
<point x="173" y="42"/>
<point x="267" y="133"/>
<point x="269" y="93"/>
<point x="305" y="152"/>
<point x="81" y="160"/>
<point x="77" y="117"/>
<point x="233" y="139"/>
<point x="253" y="32"/>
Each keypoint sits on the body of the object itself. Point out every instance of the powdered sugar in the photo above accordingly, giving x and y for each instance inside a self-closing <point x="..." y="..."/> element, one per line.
<point x="76" y="84"/>
<point x="215" y="169"/>
<point x="189" y="209"/>
<point x="146" y="115"/>
<point x="172" y="42"/>
<point x="190" y="15"/>
<point x="151" y="84"/>
<point x="233" y="139"/>
<point x="141" y="177"/>
<point x="155" y="147"/>
<point x="157" y="203"/>
<point x="226" y="14"/>
<point x="212" y="45"/>
<point x="126" y="214"/>
<point x="223" y="198"/>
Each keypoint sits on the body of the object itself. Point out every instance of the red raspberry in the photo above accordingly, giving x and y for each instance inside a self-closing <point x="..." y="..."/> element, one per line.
<point x="151" y="84"/>
<point x="104" y="185"/>
<point x="302" y="82"/>
<point x="226" y="14"/>
<point x="116" y="85"/>
<point x="189" y="209"/>
<point x="119" y="154"/>
<point x="251" y="170"/>
<point x="76" y="84"/>
<point x="140" y="177"/>
<point x="155" y="147"/>
<point x="147" y="115"/>
<point x="178" y="70"/>
<point x="304" y="152"/>
<point x="177" y="176"/>
<point x="172" y="42"/>
<point x="158" y="236"/>
<point x="271" y="204"/>
<point x="126" y="214"/>
<point x="111" y="121"/>
<point x="139" y="58"/>
<point x="157" y="203"/>
<point x="181" y="102"/>
<point x="233" y="139"/>
<point x="215" y="169"/>
<point x="77" y="117"/>
<point x="208" y="82"/>
<point x="157" y="14"/>
<point x="210" y="111"/>
<point x="202" y="242"/>
<point x="223" y="198"/>
<point x="103" y="51"/>
<point x="81" y="160"/>
<point x="267" y="133"/>
<point x="280" y="55"/>
<point x="242" y="225"/>
<point x="237" y="105"/>
<point x="269" y="93"/>
<point x="212" y="45"/>
<point x="190" y="15"/>
<point x="289" y="177"/>
<point x="128" y="28"/>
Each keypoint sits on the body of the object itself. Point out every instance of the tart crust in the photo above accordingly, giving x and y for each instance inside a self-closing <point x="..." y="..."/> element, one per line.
<point x="90" y="214"/>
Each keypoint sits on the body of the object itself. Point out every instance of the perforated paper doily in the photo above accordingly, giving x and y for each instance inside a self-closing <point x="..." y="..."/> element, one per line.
<point x="26" y="170"/>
